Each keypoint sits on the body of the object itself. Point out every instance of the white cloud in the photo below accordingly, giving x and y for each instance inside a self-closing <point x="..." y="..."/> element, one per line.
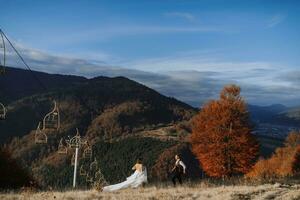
<point x="183" y="15"/>
<point x="202" y="73"/>
<point x="275" y="20"/>
<point x="193" y="79"/>
<point x="196" y="61"/>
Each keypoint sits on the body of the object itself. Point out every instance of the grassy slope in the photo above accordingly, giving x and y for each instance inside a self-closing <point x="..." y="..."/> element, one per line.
<point x="200" y="191"/>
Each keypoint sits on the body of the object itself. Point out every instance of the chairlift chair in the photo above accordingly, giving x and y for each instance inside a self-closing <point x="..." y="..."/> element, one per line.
<point x="94" y="166"/>
<point x="75" y="142"/>
<point x="52" y="119"/>
<point x="62" y="149"/>
<point x="87" y="152"/>
<point x="40" y="136"/>
<point x="2" y="54"/>
<point x="2" y="111"/>
<point x="82" y="171"/>
<point x="99" y="176"/>
<point x="100" y="181"/>
<point x="89" y="177"/>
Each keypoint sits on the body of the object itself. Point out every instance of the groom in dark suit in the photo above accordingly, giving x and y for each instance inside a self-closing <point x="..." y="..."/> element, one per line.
<point x="178" y="170"/>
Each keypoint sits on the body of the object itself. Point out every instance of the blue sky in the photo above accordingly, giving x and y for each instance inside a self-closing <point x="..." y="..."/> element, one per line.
<point x="183" y="48"/>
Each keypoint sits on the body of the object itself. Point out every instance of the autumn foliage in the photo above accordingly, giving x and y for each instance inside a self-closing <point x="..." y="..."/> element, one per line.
<point x="221" y="137"/>
<point x="285" y="162"/>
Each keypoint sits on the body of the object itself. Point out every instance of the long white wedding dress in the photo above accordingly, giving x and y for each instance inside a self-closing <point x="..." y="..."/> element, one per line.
<point x="133" y="181"/>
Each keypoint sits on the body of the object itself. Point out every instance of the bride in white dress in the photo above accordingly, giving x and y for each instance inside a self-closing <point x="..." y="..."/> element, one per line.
<point x="135" y="180"/>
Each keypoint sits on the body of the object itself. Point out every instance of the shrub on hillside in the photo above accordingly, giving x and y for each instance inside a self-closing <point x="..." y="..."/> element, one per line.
<point x="283" y="162"/>
<point x="12" y="175"/>
<point x="165" y="162"/>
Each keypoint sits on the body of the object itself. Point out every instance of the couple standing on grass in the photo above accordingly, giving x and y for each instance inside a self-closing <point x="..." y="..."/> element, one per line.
<point x="140" y="176"/>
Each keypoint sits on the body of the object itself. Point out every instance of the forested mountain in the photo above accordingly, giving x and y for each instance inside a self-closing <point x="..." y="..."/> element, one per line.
<point x="84" y="102"/>
<point x="106" y="111"/>
<point x="18" y="83"/>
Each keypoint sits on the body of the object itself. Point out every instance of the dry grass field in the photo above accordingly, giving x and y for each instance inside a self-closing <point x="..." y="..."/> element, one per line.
<point x="266" y="191"/>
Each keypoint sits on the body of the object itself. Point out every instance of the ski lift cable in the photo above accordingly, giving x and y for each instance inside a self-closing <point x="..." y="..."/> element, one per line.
<point x="28" y="67"/>
<point x="24" y="62"/>
<point x="34" y="75"/>
<point x="2" y="71"/>
<point x="4" y="47"/>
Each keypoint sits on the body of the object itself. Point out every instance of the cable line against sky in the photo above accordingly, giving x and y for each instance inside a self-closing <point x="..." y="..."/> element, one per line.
<point x="42" y="85"/>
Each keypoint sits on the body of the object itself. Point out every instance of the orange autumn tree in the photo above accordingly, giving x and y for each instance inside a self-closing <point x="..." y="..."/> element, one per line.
<point x="221" y="137"/>
<point x="284" y="162"/>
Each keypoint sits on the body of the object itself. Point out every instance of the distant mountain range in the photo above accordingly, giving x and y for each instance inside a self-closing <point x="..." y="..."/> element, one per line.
<point x="291" y="113"/>
<point x="275" y="114"/>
